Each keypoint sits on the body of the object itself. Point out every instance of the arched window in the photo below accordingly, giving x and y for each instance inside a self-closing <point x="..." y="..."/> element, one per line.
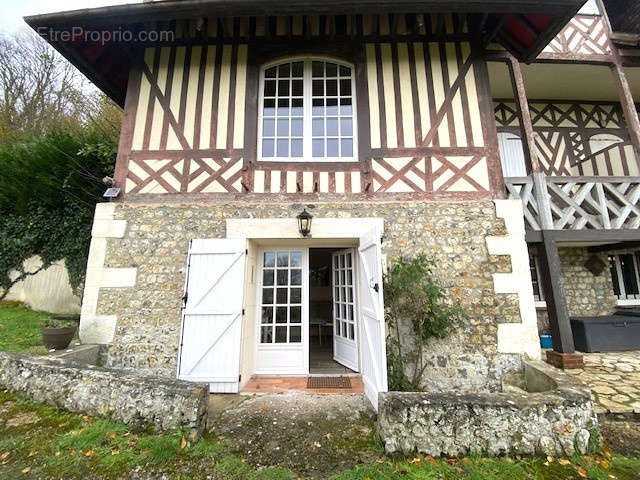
<point x="307" y="111"/>
<point x="511" y="155"/>
<point x="600" y="141"/>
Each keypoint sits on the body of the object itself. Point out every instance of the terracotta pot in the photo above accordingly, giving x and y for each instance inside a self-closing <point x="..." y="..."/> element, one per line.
<point x="58" y="338"/>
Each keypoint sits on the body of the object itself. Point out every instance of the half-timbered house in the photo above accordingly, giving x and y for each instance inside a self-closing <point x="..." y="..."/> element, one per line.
<point x="402" y="127"/>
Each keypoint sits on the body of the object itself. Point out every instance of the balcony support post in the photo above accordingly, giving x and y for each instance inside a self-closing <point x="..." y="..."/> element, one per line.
<point x="627" y="103"/>
<point x="563" y="354"/>
<point x="526" y="125"/>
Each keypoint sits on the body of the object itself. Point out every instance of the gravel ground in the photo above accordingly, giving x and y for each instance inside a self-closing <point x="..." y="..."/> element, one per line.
<point x="313" y="435"/>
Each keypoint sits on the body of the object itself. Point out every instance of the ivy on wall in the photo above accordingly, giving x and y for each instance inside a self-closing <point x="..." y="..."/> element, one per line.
<point x="48" y="191"/>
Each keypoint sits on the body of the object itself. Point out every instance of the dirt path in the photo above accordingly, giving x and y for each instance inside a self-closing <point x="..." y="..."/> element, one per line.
<point x="313" y="435"/>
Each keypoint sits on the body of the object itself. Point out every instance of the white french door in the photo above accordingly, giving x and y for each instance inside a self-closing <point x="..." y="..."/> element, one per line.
<point x="345" y="341"/>
<point x="282" y="345"/>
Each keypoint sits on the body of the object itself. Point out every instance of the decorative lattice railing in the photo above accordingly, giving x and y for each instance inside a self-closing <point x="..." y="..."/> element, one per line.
<point x="575" y="203"/>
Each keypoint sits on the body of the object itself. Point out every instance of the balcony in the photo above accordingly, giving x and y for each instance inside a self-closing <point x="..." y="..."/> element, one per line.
<point x="577" y="203"/>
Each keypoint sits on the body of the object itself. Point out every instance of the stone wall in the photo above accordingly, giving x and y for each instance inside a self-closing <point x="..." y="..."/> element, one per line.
<point x="127" y="397"/>
<point x="156" y="240"/>
<point x="586" y="294"/>
<point x="48" y="290"/>
<point x="556" y="422"/>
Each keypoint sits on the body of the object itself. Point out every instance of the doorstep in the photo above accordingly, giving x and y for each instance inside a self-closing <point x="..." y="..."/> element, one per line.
<point x="270" y="384"/>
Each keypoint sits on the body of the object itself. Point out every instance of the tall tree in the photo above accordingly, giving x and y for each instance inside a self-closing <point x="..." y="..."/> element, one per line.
<point x="40" y="91"/>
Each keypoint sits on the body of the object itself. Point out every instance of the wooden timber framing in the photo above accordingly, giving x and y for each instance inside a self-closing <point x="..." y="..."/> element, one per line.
<point x="561" y="133"/>
<point x="425" y="122"/>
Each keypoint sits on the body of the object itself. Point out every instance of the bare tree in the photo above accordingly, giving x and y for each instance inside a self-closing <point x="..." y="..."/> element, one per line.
<point x="40" y="91"/>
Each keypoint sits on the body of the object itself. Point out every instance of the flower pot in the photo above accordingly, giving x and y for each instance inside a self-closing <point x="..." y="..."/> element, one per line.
<point x="58" y="338"/>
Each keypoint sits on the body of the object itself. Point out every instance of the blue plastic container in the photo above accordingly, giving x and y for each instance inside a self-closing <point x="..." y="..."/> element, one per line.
<point x="546" y="341"/>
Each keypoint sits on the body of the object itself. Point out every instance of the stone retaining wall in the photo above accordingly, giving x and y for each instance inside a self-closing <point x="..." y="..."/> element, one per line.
<point x="558" y="421"/>
<point x="156" y="239"/>
<point x="124" y="396"/>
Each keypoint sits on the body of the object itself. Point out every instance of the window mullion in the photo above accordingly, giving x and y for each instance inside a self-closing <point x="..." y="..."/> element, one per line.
<point x="306" y="123"/>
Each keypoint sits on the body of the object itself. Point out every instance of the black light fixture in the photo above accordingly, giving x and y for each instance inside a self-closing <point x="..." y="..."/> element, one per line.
<point x="304" y="223"/>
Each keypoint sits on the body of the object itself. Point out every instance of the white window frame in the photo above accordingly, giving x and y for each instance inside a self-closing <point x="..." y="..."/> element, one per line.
<point x="307" y="135"/>
<point x="624" y="298"/>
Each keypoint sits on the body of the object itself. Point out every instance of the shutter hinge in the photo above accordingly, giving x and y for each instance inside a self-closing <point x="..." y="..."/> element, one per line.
<point x="243" y="312"/>
<point x="246" y="251"/>
<point x="240" y="378"/>
<point x="185" y="298"/>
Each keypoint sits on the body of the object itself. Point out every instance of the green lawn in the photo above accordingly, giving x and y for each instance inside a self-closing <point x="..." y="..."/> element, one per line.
<point x="20" y="329"/>
<point x="42" y="442"/>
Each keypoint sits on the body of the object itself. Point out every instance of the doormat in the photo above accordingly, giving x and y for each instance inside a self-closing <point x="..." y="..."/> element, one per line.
<point x="328" y="382"/>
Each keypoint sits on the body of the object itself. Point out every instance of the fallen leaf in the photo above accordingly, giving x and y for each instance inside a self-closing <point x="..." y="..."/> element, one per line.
<point x="115" y="452"/>
<point x="132" y="443"/>
<point x="145" y="452"/>
<point x="112" y="435"/>
<point x="57" y="454"/>
<point x="4" y="455"/>
<point x="126" y="434"/>
<point x="17" y="340"/>
<point x="605" y="464"/>
<point x="582" y="472"/>
<point x="26" y="470"/>
<point x="263" y="406"/>
<point x="550" y="459"/>
<point x="32" y="453"/>
<point x="89" y="453"/>
<point x="564" y="461"/>
<point x="183" y="442"/>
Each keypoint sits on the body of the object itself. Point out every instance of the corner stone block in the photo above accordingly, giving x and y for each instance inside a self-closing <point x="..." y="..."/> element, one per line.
<point x="521" y="337"/>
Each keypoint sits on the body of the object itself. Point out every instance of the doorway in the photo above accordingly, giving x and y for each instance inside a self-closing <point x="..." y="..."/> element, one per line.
<point x="333" y="333"/>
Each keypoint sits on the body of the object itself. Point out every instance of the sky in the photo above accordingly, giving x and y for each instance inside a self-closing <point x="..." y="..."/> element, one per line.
<point x="12" y="11"/>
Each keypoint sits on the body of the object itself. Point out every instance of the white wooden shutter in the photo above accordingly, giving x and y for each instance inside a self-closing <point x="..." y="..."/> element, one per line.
<point x="372" y="331"/>
<point x="212" y="314"/>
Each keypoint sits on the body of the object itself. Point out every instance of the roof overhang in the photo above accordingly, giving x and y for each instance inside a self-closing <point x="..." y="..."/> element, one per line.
<point x="524" y="27"/>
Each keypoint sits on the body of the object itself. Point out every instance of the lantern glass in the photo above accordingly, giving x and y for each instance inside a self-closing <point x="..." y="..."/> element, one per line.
<point x="304" y="223"/>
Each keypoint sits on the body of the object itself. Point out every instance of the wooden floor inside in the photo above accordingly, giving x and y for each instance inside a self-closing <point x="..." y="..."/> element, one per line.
<point x="259" y="384"/>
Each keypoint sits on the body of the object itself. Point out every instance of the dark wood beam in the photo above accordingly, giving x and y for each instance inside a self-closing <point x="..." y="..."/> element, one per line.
<point x="551" y="276"/>
<point x="626" y="101"/>
<point x="614" y="246"/>
<point x="585" y="236"/>
<point x="526" y="125"/>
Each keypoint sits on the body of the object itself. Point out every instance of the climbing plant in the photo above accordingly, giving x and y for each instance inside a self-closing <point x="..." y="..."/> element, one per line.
<point x="48" y="191"/>
<point x="417" y="310"/>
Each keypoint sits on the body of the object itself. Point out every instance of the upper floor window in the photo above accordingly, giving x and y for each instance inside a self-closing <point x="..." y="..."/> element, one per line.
<point x="511" y="155"/>
<point x="601" y="141"/>
<point x="307" y="111"/>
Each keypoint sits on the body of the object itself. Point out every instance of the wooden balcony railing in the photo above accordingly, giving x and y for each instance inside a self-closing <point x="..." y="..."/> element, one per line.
<point x="575" y="203"/>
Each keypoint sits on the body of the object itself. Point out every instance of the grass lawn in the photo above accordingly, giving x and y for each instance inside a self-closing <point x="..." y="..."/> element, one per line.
<point x="20" y="329"/>
<point x="42" y="442"/>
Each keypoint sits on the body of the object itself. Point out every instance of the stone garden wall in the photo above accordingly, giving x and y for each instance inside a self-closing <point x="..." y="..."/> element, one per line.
<point x="124" y="396"/>
<point x="554" y="422"/>
<point x="155" y="243"/>
<point x="586" y="294"/>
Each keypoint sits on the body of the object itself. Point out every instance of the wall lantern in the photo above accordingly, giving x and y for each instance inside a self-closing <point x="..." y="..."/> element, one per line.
<point x="304" y="223"/>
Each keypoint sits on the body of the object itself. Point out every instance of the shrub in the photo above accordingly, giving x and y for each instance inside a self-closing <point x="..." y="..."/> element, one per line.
<point x="416" y="311"/>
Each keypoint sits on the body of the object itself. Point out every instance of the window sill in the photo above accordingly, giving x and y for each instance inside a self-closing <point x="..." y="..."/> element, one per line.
<point x="307" y="160"/>
<point x="628" y="303"/>
<point x="540" y="305"/>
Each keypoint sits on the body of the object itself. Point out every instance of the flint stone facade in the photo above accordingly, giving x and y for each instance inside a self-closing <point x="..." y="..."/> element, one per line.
<point x="452" y="233"/>
<point x="556" y="421"/>
<point x="587" y="295"/>
<point x="139" y="401"/>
